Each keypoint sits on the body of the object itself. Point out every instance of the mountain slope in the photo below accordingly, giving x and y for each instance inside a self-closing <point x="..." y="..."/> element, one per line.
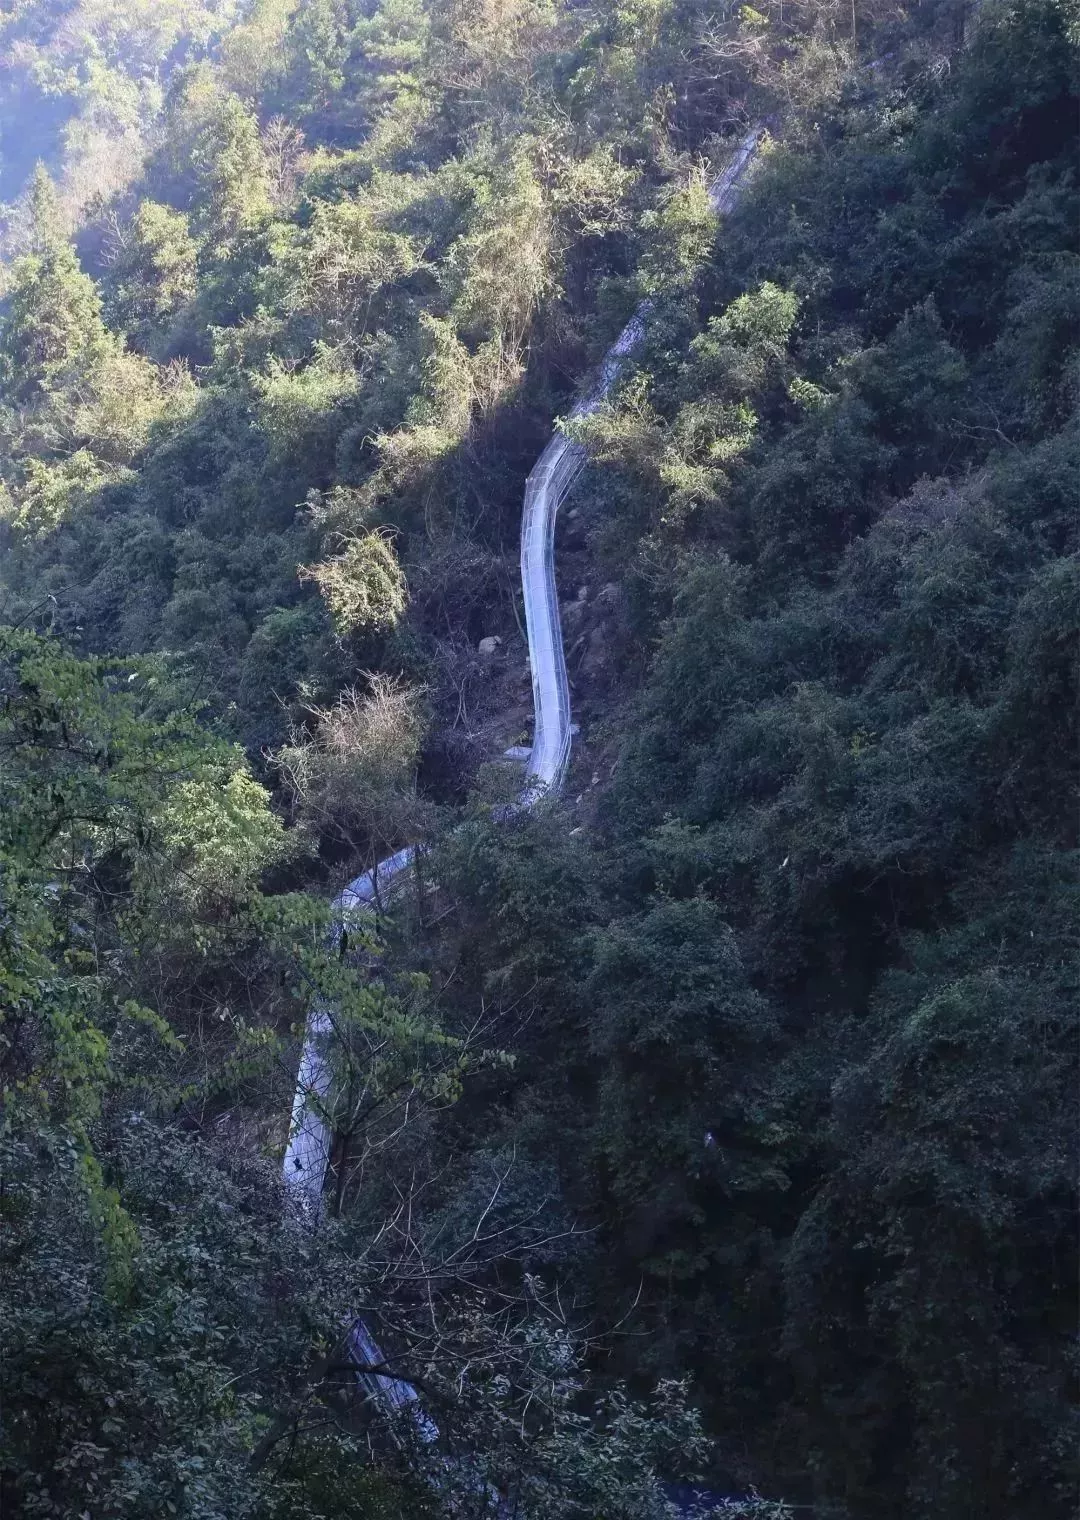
<point x="756" y="1051"/>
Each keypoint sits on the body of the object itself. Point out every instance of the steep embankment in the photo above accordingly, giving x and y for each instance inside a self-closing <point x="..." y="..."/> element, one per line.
<point x="826" y="915"/>
<point x="307" y="1153"/>
<point x="785" y="1017"/>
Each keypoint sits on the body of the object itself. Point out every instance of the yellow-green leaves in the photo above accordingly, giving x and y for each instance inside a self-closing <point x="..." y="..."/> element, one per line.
<point x="449" y="386"/>
<point x="119" y="835"/>
<point x="363" y="586"/>
<point x="591" y="191"/>
<point x="152" y="275"/>
<point x="740" y="346"/>
<point x="52" y="332"/>
<point x="218" y="835"/>
<point x="48" y="494"/>
<point x="82" y="405"/>
<point x="117" y="1231"/>
<point x="679" y="238"/>
<point x="332" y="271"/>
<point x="352" y="770"/>
<point x="497" y="273"/>
<point x="297" y="404"/>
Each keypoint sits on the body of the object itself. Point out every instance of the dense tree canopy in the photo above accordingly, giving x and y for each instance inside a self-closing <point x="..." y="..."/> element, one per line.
<point x="715" y="1122"/>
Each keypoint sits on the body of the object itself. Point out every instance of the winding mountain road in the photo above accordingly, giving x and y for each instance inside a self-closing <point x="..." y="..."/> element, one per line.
<point x="308" y="1152"/>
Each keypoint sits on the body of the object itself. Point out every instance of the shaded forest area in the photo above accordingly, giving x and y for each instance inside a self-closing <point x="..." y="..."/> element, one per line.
<point x="715" y="1123"/>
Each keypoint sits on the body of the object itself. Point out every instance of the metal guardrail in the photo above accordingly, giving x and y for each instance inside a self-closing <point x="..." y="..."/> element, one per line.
<point x="307" y="1155"/>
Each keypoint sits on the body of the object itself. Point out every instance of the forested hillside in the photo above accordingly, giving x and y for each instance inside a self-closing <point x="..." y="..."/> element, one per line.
<point x="713" y="1123"/>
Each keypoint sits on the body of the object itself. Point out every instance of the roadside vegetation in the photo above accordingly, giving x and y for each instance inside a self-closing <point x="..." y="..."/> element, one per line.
<point x="714" y="1123"/>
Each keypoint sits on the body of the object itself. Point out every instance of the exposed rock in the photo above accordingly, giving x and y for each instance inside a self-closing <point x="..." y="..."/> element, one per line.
<point x="595" y="655"/>
<point x="572" y="614"/>
<point x="488" y="648"/>
<point x="572" y="530"/>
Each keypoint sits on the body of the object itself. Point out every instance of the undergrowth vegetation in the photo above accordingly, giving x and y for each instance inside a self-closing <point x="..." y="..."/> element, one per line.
<point x="715" y="1123"/>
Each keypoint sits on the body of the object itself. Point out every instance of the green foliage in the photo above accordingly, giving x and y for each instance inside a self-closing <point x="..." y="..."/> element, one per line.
<point x="151" y="278"/>
<point x="809" y="1064"/>
<point x="768" y="1044"/>
<point x="175" y="1310"/>
<point x="101" y="799"/>
<point x="350" y="772"/>
<point x="363" y="585"/>
<point x="680" y="236"/>
<point x="149" y="1406"/>
<point x="53" y="335"/>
